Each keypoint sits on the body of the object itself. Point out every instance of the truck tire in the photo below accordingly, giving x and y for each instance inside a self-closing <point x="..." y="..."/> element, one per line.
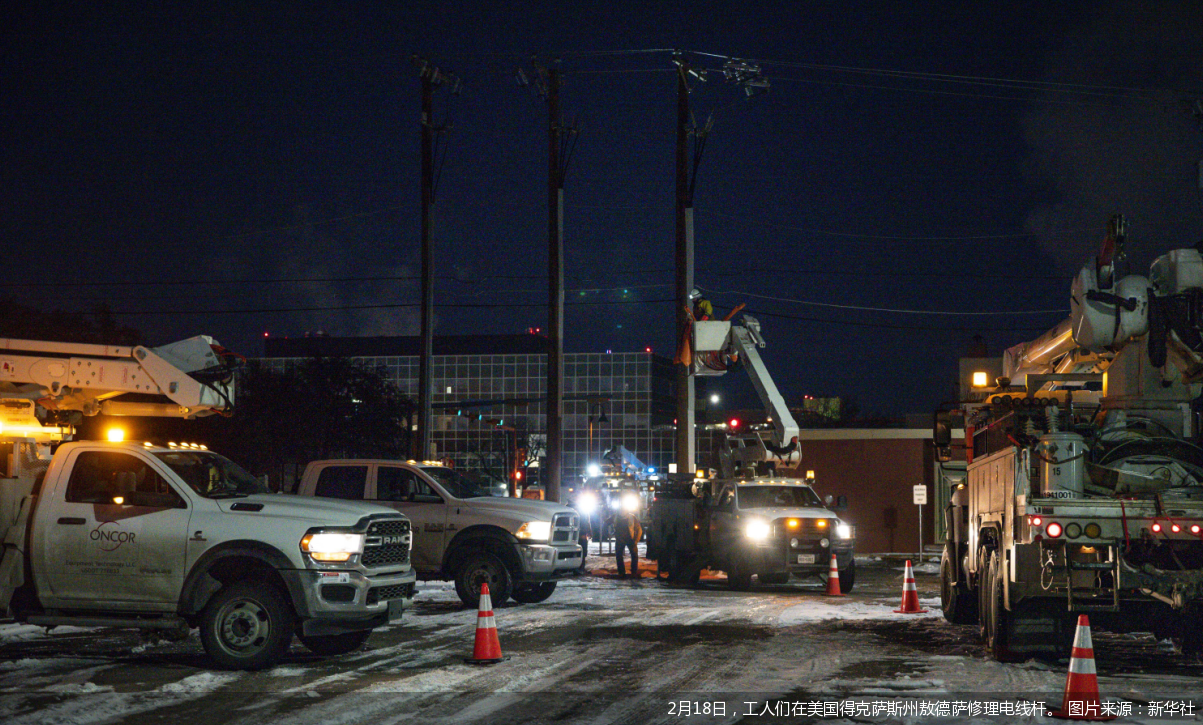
<point x="335" y="644"/>
<point x="848" y="577"/>
<point x="957" y="602"/>
<point x="479" y="568"/>
<point x="247" y="626"/>
<point x="738" y="578"/>
<point x="533" y="592"/>
<point x="777" y="578"/>
<point x="983" y="593"/>
<point x="1001" y="621"/>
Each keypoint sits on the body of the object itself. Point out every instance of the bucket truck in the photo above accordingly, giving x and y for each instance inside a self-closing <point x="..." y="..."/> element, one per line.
<point x="748" y="521"/>
<point x="1084" y="484"/>
<point x="171" y="537"/>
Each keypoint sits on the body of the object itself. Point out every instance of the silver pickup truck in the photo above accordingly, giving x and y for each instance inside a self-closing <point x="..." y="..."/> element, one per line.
<point x="461" y="531"/>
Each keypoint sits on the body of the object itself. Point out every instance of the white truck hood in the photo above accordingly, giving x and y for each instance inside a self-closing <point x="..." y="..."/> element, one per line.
<point x="328" y="511"/>
<point x="524" y="509"/>
<point x="780" y="512"/>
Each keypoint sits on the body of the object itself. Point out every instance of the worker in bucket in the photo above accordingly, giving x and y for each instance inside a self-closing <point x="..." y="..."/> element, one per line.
<point x="702" y="309"/>
<point x="628" y="531"/>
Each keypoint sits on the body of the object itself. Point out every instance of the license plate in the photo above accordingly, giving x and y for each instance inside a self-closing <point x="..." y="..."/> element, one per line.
<point x="806" y="558"/>
<point x="395" y="608"/>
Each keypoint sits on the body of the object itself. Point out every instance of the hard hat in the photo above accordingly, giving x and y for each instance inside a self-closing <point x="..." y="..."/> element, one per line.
<point x="695" y="294"/>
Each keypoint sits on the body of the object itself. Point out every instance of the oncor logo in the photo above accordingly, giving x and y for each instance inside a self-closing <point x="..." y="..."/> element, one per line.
<point x="111" y="539"/>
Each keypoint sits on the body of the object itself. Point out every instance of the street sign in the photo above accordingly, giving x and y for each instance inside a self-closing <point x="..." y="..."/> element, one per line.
<point x="920" y="494"/>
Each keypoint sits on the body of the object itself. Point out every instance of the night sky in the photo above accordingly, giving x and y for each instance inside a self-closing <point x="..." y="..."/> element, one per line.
<point x="187" y="167"/>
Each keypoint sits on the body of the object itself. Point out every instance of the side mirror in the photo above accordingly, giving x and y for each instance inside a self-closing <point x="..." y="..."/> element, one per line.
<point x="942" y="429"/>
<point x="841" y="503"/>
<point x="829" y="499"/>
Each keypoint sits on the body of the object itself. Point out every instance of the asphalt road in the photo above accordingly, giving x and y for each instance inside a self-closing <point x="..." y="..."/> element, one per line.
<point x="600" y="650"/>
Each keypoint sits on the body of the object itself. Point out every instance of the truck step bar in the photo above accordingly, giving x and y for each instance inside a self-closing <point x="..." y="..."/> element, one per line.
<point x="47" y="620"/>
<point x="1090" y="604"/>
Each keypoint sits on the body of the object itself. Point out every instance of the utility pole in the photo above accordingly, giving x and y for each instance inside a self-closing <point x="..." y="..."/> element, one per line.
<point x="747" y="76"/>
<point x="555" y="298"/>
<point x="686" y="405"/>
<point x="425" y="418"/>
<point x="430" y="77"/>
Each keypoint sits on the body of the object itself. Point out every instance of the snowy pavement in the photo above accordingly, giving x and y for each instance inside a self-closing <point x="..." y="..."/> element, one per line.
<point x="600" y="650"/>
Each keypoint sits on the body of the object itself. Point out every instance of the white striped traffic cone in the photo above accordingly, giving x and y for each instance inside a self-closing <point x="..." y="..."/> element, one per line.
<point x="910" y="595"/>
<point x="1081" y="699"/>
<point x="833" y="579"/>
<point x="487" y="649"/>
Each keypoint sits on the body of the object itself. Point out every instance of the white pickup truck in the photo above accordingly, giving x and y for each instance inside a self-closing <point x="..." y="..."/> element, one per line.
<point x="133" y="535"/>
<point x="172" y="537"/>
<point x="461" y="531"/>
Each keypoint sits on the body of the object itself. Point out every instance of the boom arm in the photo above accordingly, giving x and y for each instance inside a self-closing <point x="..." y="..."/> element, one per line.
<point x="186" y="379"/>
<point x="746" y="340"/>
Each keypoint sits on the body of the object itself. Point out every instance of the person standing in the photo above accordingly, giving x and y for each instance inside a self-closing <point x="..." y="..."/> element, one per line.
<point x="627" y="532"/>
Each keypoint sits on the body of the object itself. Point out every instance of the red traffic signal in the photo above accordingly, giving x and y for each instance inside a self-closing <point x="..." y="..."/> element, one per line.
<point x="734" y="422"/>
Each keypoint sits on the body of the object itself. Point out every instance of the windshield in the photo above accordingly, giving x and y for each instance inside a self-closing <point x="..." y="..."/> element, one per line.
<point x="461" y="486"/>
<point x="754" y="497"/>
<point x="211" y="475"/>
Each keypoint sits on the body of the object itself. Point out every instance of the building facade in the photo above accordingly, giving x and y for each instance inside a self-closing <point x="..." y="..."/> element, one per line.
<point x="489" y="397"/>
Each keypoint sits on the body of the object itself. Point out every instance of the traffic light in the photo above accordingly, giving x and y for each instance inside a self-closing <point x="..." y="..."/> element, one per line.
<point x="734" y="423"/>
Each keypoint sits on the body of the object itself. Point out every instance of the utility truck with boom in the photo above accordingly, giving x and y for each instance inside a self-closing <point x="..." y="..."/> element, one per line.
<point x="1084" y="484"/>
<point x="170" y="537"/>
<point x="748" y="521"/>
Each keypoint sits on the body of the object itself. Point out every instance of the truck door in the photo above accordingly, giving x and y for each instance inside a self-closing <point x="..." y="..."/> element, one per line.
<point x="723" y="525"/>
<point x="119" y="533"/>
<point x="403" y="489"/>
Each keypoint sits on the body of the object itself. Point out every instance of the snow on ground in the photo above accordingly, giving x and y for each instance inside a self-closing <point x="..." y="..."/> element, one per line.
<point x="831" y="609"/>
<point x="13" y="632"/>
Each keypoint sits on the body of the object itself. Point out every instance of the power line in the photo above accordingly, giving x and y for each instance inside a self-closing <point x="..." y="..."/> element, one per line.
<point x="863" y="308"/>
<point x="881" y="237"/>
<point x="1054" y="86"/>
<point x="888" y="326"/>
<point x="398" y="305"/>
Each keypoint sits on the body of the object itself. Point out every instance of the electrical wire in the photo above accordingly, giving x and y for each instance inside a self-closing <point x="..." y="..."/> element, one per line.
<point x="882" y="237"/>
<point x="863" y="308"/>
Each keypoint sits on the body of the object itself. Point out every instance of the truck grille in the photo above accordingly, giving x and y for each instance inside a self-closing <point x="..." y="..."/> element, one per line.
<point x="564" y="529"/>
<point x="387" y="543"/>
<point x="384" y="594"/>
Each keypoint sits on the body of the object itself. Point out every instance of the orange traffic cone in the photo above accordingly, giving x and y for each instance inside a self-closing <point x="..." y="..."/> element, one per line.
<point x="488" y="648"/>
<point x="833" y="579"/>
<point x="910" y="595"/>
<point x="1081" y="700"/>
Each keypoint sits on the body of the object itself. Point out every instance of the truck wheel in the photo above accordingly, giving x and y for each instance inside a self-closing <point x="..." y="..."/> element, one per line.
<point x="533" y="593"/>
<point x="1001" y="621"/>
<point x="482" y="568"/>
<point x="335" y="644"/>
<point x="848" y="577"/>
<point x="778" y="578"/>
<point x="247" y="626"/>
<point x="957" y="602"/>
<point x="983" y="593"/>
<point x="737" y="578"/>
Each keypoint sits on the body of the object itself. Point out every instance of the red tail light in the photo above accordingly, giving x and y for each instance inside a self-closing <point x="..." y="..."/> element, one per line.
<point x="1156" y="528"/>
<point x="1053" y="530"/>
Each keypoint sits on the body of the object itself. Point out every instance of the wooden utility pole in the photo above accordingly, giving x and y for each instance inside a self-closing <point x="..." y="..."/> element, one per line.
<point x="422" y="448"/>
<point x="555" y="300"/>
<point x="684" y="257"/>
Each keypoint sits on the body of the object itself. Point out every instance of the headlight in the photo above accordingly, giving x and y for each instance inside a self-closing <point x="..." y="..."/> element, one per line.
<point x="614" y="503"/>
<point x="758" y="530"/>
<point x="332" y="546"/>
<point x="630" y="502"/>
<point x="586" y="503"/>
<point x="843" y="531"/>
<point x="534" y="531"/>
